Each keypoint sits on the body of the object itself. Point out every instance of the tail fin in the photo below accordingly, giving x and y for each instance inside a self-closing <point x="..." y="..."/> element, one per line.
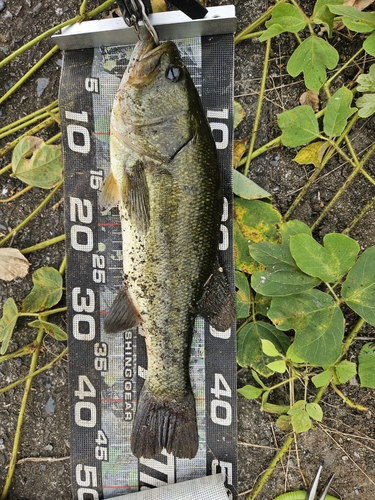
<point x="162" y="423"/>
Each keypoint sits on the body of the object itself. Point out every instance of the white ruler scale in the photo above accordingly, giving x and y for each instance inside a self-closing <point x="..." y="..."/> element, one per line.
<point x="107" y="370"/>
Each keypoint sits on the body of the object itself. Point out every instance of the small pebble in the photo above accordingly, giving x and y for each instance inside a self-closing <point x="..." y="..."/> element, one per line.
<point x="8" y="15"/>
<point x="50" y="405"/>
<point x="2" y="5"/>
<point x="49" y="447"/>
<point x="37" y="8"/>
<point x="42" y="84"/>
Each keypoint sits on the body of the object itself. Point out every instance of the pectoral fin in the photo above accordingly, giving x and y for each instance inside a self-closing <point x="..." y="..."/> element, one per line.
<point x="217" y="304"/>
<point x="122" y="315"/>
<point x="136" y="196"/>
<point x="110" y="193"/>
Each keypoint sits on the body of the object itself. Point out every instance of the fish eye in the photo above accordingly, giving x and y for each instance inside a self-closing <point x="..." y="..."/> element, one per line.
<point x="173" y="73"/>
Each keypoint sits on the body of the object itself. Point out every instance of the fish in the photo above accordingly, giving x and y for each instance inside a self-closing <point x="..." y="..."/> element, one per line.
<point x="165" y="178"/>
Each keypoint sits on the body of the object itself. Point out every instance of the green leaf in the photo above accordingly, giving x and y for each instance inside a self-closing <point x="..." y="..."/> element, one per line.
<point x="318" y="324"/>
<point x="361" y="22"/>
<point x="55" y="331"/>
<point x="269" y="349"/>
<point x="338" y="111"/>
<point x="262" y="304"/>
<point x="277" y="366"/>
<point x="358" y="289"/>
<point x="322" y="14"/>
<point x="329" y="262"/>
<point x="345" y="371"/>
<point x="366" y="363"/>
<point x="284" y="423"/>
<point x="242" y="260"/>
<point x="369" y="46"/>
<point x="322" y="379"/>
<point x="292" y="227"/>
<point x="43" y="169"/>
<point x="246" y="188"/>
<point x="312" y="58"/>
<point x="7" y="323"/>
<point x="250" y="392"/>
<point x="366" y="105"/>
<point x="299" y="126"/>
<point x="238" y="115"/>
<point x="366" y="82"/>
<point x="272" y="408"/>
<point x="271" y="253"/>
<point x="312" y="154"/>
<point x="301" y="421"/>
<point x="314" y="411"/>
<point x="292" y="356"/>
<point x="249" y="345"/>
<point x="298" y="406"/>
<point x="285" y="17"/>
<point x="242" y="295"/>
<point x="47" y="290"/>
<point x="281" y="279"/>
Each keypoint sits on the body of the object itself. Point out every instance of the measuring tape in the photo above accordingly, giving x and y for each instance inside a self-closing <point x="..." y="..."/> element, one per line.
<point x="107" y="371"/>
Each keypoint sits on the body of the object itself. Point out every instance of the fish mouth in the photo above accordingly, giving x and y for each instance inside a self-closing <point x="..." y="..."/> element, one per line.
<point x="147" y="60"/>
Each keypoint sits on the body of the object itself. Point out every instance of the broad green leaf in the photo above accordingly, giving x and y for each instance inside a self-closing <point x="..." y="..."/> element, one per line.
<point x="301" y="421"/>
<point x="299" y="126"/>
<point x="292" y="227"/>
<point x="43" y="169"/>
<point x="312" y="58"/>
<point x="279" y="280"/>
<point x="269" y="349"/>
<point x="361" y="22"/>
<point x="366" y="364"/>
<point x="322" y="14"/>
<point x="338" y="111"/>
<point x="369" y="46"/>
<point x="7" y="323"/>
<point x="292" y="356"/>
<point x="242" y="295"/>
<point x="345" y="371"/>
<point x="322" y="379"/>
<point x="238" y="115"/>
<point x="255" y="220"/>
<point x="47" y="290"/>
<point x="298" y="406"/>
<point x="262" y="304"/>
<point x="366" y="105"/>
<point x="366" y="81"/>
<point x="277" y="366"/>
<point x="271" y="253"/>
<point x="285" y="17"/>
<point x="314" y="411"/>
<point x="246" y="188"/>
<point x="312" y="154"/>
<point x="55" y="331"/>
<point x="329" y="262"/>
<point x="250" y="391"/>
<point x="358" y="289"/>
<point x="318" y="324"/>
<point x="249" y="345"/>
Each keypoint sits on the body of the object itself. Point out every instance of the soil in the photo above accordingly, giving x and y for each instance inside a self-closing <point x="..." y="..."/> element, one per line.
<point x="345" y="440"/>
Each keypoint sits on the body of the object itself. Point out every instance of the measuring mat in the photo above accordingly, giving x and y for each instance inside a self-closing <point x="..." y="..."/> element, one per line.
<point x="107" y="371"/>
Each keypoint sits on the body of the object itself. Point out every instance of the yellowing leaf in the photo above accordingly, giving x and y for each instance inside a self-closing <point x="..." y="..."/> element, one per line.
<point x="239" y="149"/>
<point x="312" y="154"/>
<point x="7" y="323"/>
<point x="158" y="6"/>
<point x="12" y="264"/>
<point x="55" y="331"/>
<point x="239" y="114"/>
<point x="43" y="169"/>
<point x="47" y="290"/>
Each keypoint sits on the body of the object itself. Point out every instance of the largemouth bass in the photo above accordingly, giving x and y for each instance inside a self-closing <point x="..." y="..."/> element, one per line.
<point x="165" y="177"/>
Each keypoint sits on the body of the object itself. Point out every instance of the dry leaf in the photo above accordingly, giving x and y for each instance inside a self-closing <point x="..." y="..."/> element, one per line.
<point x="359" y="4"/>
<point x="114" y="13"/>
<point x="12" y="264"/>
<point x="239" y="149"/>
<point x="310" y="98"/>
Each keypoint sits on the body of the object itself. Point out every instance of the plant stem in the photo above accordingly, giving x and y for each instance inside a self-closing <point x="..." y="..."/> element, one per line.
<point x="253" y="26"/>
<point x="21" y="414"/>
<point x="346" y="400"/>
<point x="53" y="30"/>
<point x="361" y="214"/>
<point x="44" y="313"/>
<point x="29" y="73"/>
<point x="28" y="120"/>
<point x="36" y="372"/>
<point x="43" y="244"/>
<point x="17" y="195"/>
<point x="259" y="107"/>
<point x="23" y="351"/>
<point x="33" y="214"/>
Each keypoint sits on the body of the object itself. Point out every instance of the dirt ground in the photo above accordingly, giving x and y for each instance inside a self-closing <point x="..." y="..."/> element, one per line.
<point x="345" y="440"/>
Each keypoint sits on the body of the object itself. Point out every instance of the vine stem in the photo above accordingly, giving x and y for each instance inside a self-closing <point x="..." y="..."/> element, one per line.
<point x="244" y="34"/>
<point x="43" y="244"/>
<point x="33" y="214"/>
<point x="29" y="119"/>
<point x="259" y="106"/>
<point x="17" y="437"/>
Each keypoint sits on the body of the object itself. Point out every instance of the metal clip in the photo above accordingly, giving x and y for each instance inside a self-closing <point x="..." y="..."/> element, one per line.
<point x="134" y="11"/>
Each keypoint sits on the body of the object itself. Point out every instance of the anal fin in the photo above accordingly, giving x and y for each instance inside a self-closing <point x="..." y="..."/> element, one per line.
<point x="122" y="315"/>
<point x="217" y="304"/>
